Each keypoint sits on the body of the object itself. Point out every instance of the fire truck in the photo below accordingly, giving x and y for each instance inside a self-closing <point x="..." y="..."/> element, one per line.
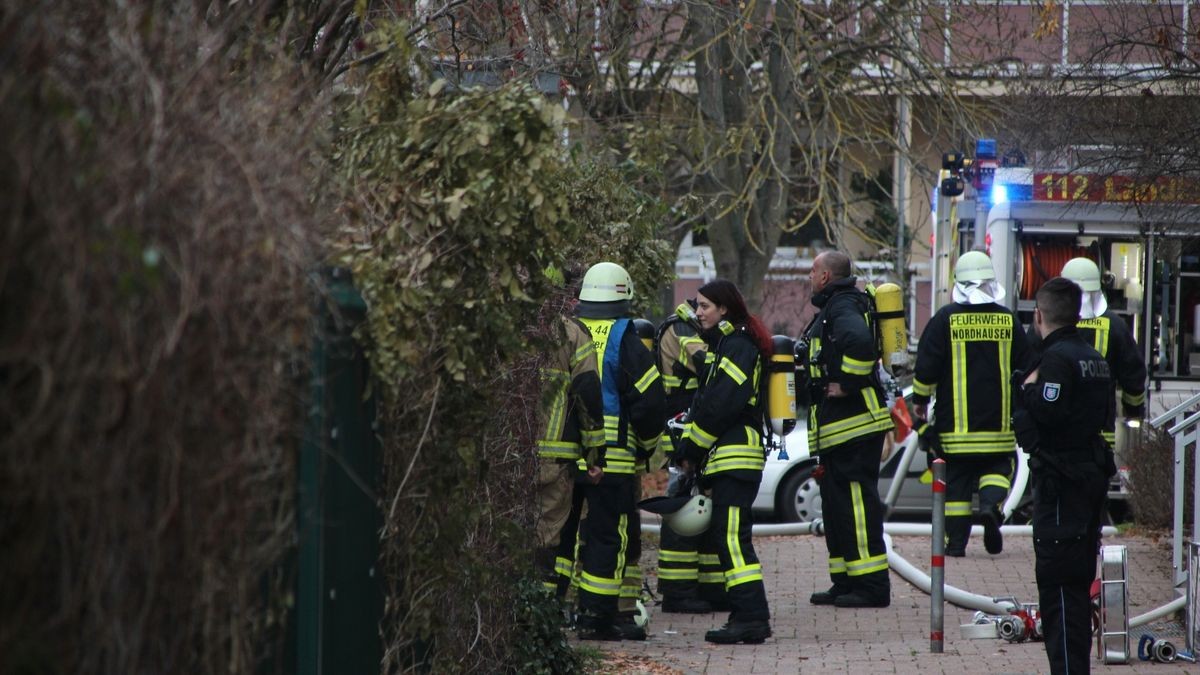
<point x="1144" y="234"/>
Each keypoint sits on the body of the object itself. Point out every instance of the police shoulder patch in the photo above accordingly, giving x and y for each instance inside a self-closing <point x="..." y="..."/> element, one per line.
<point x="1050" y="391"/>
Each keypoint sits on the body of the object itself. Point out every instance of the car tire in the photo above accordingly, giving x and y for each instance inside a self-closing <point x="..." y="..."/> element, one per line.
<point x="799" y="498"/>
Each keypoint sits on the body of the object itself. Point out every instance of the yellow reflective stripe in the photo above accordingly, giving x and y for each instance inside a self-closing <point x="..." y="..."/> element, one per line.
<point x="825" y="440"/>
<point x="558" y="450"/>
<point x="856" y="367"/>
<point x="958" y="509"/>
<point x="743" y="574"/>
<point x="994" y="480"/>
<point x="678" y="574"/>
<point x="622" y="527"/>
<point x="711" y="578"/>
<point x="730" y="368"/>
<point x="1100" y="326"/>
<point x="978" y="442"/>
<point x="1110" y="436"/>
<point x="710" y="559"/>
<point x="921" y="388"/>
<point x="1133" y="399"/>
<point x="837" y="565"/>
<point x="875" y="563"/>
<point x="1005" y="351"/>
<point x="699" y="436"/>
<point x="958" y="368"/>
<point x="860" y="522"/>
<point x="592" y="438"/>
<point x="600" y="585"/>
<point x="564" y="566"/>
<point x="672" y="381"/>
<point x="582" y="353"/>
<point x="549" y="586"/>
<point x="612" y="428"/>
<point x="731" y="537"/>
<point x="646" y="380"/>
<point x="678" y="556"/>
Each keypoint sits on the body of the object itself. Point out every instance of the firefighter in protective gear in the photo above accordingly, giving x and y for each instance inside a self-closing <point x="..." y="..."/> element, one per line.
<point x="1060" y="412"/>
<point x="633" y="398"/>
<point x="723" y="447"/>
<point x="571" y="439"/>
<point x="848" y="420"/>
<point x="1109" y="334"/>
<point x="688" y="583"/>
<point x="967" y="355"/>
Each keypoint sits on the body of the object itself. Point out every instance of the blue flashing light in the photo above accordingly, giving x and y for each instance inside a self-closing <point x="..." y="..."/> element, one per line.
<point x="999" y="194"/>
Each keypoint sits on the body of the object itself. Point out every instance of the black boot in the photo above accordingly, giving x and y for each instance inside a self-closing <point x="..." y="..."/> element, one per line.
<point x="749" y="632"/>
<point x="597" y="628"/>
<point x="685" y="605"/>
<point x="628" y="628"/>
<point x="993" y="540"/>
<point x="862" y="598"/>
<point x="827" y="597"/>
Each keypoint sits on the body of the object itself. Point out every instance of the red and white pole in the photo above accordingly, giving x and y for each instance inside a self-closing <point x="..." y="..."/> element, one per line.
<point x="937" y="560"/>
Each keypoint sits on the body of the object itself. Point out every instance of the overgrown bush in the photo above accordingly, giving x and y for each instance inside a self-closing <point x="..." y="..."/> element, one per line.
<point x="1152" y="479"/>
<point x="458" y="203"/>
<point x="155" y="171"/>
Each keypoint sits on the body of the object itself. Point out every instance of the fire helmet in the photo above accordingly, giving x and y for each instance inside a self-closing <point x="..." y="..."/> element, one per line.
<point x="1083" y="272"/>
<point x="606" y="282"/>
<point x="973" y="266"/>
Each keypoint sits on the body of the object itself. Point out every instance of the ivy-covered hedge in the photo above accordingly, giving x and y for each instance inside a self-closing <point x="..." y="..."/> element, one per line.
<point x="460" y="206"/>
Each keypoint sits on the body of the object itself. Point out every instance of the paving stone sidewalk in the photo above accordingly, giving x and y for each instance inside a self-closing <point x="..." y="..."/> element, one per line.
<point x="895" y="639"/>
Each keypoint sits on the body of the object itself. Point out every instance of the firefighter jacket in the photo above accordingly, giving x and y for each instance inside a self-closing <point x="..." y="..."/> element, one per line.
<point x="725" y="424"/>
<point x="1109" y="334"/>
<point x="572" y="417"/>
<point x="842" y="348"/>
<point x="632" y="392"/>
<point x="1067" y="402"/>
<point x="681" y="357"/>
<point x="966" y="356"/>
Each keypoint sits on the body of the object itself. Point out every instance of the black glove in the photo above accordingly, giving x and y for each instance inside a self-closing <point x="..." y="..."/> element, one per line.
<point x="930" y="441"/>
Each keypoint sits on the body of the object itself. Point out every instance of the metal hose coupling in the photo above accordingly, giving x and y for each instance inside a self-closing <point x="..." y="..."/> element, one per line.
<point x="1152" y="648"/>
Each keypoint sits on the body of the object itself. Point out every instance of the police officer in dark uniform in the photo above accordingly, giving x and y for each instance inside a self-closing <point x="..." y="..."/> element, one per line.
<point x="1058" y="416"/>
<point x="847" y="422"/>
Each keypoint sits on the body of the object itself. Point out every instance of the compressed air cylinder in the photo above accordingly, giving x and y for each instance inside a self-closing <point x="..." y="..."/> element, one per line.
<point x="645" y="331"/>
<point x="781" y="385"/>
<point x="889" y="309"/>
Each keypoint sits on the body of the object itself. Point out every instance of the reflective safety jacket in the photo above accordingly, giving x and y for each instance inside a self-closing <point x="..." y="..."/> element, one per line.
<point x="1109" y="334"/>
<point x="842" y="349"/>
<point x="967" y="356"/>
<point x="572" y="417"/>
<point x="726" y="421"/>
<point x="681" y="356"/>
<point x="632" y="393"/>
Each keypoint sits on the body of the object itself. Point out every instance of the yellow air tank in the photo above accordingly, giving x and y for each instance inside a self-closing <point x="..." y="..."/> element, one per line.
<point x="781" y="385"/>
<point x="889" y="312"/>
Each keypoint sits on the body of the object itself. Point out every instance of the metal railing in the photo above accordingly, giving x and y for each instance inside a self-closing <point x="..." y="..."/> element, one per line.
<point x="1184" y="427"/>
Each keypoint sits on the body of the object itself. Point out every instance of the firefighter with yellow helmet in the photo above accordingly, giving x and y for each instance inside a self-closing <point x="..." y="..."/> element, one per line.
<point x="966" y="356"/>
<point x="1110" y="335"/>
<point x="632" y="397"/>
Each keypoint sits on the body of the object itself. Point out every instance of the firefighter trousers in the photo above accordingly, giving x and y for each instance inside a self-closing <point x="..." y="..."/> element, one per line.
<point x="728" y="539"/>
<point x="1066" y="543"/>
<point x="604" y="545"/>
<point x="555" y="488"/>
<point x="990" y="475"/>
<point x="853" y="515"/>
<point x="681" y="574"/>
